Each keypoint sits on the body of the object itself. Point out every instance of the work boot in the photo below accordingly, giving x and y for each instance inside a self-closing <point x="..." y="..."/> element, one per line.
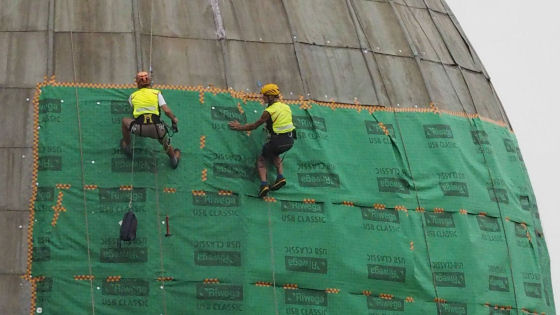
<point x="174" y="160"/>
<point x="279" y="183"/>
<point x="263" y="191"/>
<point x="126" y="149"/>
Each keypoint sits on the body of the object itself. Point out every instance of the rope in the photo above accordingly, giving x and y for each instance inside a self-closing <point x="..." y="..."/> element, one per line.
<point x="273" y="263"/>
<point x="132" y="172"/>
<point x="161" y="265"/>
<point x="81" y="158"/>
<point x="151" y="36"/>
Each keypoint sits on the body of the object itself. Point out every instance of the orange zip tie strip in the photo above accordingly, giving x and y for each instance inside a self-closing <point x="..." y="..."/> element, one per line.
<point x="385" y="130"/>
<point x="439" y="210"/>
<point x="348" y="203"/>
<point x="63" y="186"/>
<point x="225" y="193"/>
<point x="366" y="292"/>
<point x="411" y="245"/>
<point x="163" y="279"/>
<point x="434" y="108"/>
<point x="378" y="206"/>
<point x="58" y="208"/>
<point x="204" y="175"/>
<point x="386" y="296"/>
<point x="84" y="277"/>
<point x="401" y="208"/>
<point x="201" y="96"/>
<point x="263" y="284"/>
<point x="113" y="279"/>
<point x="90" y="187"/>
<point x="463" y="211"/>
<point x="482" y="214"/>
<point x="169" y="190"/>
<point x="332" y="290"/>
<point x="202" y="142"/>
<point x="420" y="209"/>
<point x="198" y="193"/>
<point x="524" y="310"/>
<point x="125" y="187"/>
<point x="290" y="286"/>
<point x="499" y="307"/>
<point x="409" y="299"/>
<point x="308" y="200"/>
<point x="240" y="108"/>
<point x="211" y="280"/>
<point x="440" y="300"/>
<point x="269" y="199"/>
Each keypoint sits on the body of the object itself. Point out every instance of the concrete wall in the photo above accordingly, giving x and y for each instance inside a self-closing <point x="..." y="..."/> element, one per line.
<point x="391" y="53"/>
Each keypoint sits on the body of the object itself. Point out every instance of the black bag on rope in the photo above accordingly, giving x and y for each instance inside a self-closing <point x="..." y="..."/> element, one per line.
<point x="128" y="226"/>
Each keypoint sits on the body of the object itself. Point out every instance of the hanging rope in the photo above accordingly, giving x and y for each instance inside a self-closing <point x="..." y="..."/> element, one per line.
<point x="132" y="172"/>
<point x="81" y="156"/>
<point x="272" y="260"/>
<point x="151" y="36"/>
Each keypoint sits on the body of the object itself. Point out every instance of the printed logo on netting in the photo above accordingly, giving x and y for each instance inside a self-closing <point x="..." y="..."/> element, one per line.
<point x="306" y="264"/>
<point x="450" y="279"/>
<point x="221" y="292"/>
<point x="126" y="287"/>
<point x="299" y="206"/>
<point x="45" y="285"/>
<point x="225" y="113"/>
<point x="444" y="220"/>
<point x="393" y="185"/>
<point x="309" y="123"/>
<point x="45" y="194"/>
<point x="498" y="195"/>
<point x="510" y="146"/>
<point x="380" y="215"/>
<point x="214" y="199"/>
<point x="520" y="230"/>
<point x="533" y="290"/>
<point x="217" y="258"/>
<point x="438" y="131"/>
<point x="373" y="128"/>
<point x="234" y="170"/>
<point x="488" y="224"/>
<point x="525" y="202"/>
<point x="50" y="163"/>
<point x="118" y="252"/>
<point x="386" y="273"/>
<point x="117" y="195"/>
<point x="141" y="164"/>
<point x="455" y="189"/>
<point x="120" y="108"/>
<point x="306" y="297"/>
<point x="41" y="254"/>
<point x="380" y="304"/>
<point x="50" y="105"/>
<point x="496" y="283"/>
<point x="480" y="137"/>
<point x="318" y="180"/>
<point x="452" y="308"/>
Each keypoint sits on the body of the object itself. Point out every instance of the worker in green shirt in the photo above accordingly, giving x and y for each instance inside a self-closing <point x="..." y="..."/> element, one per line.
<point x="278" y="119"/>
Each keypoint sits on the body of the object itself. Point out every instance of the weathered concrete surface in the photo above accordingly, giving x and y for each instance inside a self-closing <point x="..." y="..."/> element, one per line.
<point x="23" y="58"/>
<point x="13" y="233"/>
<point x="17" y="103"/>
<point x="15" y="179"/>
<point x="16" y="295"/>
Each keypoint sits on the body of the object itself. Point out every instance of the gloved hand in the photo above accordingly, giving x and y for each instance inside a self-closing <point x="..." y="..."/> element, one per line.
<point x="174" y="127"/>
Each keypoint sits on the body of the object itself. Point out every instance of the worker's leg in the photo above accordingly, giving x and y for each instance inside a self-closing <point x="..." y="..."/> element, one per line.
<point x="125" y="129"/>
<point x="261" y="168"/>
<point x="278" y="164"/>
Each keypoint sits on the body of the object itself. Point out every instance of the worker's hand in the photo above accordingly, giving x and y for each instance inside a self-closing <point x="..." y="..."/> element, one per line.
<point x="235" y="125"/>
<point x="174" y="120"/>
<point x="174" y="127"/>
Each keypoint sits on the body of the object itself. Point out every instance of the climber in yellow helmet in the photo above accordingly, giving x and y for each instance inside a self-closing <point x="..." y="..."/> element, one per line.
<point x="278" y="118"/>
<point x="146" y="104"/>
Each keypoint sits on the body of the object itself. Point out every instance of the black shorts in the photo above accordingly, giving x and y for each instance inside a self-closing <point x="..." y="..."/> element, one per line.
<point x="154" y="130"/>
<point x="277" y="145"/>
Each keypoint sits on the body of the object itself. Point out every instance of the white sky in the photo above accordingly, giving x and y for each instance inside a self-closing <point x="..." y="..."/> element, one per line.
<point x="519" y="45"/>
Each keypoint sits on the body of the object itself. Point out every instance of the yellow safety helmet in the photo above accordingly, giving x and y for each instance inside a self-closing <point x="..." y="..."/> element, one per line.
<point x="270" y="89"/>
<point x="142" y="79"/>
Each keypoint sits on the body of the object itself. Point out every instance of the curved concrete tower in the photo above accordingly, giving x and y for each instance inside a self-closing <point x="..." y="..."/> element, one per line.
<point x="406" y="192"/>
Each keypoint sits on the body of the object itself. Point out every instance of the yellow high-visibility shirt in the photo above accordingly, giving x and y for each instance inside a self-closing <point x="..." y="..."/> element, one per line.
<point x="145" y="101"/>
<point x="281" y="116"/>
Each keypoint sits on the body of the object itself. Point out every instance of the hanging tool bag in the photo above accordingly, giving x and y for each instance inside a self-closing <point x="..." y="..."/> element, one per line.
<point x="128" y="226"/>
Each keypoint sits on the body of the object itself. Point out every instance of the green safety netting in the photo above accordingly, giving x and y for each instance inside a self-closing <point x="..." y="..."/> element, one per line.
<point x="385" y="212"/>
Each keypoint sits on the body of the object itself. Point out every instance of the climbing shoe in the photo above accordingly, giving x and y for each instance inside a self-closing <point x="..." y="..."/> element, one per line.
<point x="126" y="149"/>
<point x="174" y="160"/>
<point x="263" y="191"/>
<point x="279" y="183"/>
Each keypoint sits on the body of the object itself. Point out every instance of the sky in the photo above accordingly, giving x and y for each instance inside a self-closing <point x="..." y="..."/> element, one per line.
<point x="519" y="45"/>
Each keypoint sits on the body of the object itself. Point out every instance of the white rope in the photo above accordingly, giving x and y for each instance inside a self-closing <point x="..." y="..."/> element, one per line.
<point x="81" y="156"/>
<point x="151" y="36"/>
<point x="132" y="172"/>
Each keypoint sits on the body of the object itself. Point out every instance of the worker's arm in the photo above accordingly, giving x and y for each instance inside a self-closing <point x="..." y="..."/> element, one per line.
<point x="169" y="113"/>
<point x="235" y="125"/>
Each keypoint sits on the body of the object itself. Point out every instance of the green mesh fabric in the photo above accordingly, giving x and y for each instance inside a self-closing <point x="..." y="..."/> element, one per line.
<point x="384" y="212"/>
